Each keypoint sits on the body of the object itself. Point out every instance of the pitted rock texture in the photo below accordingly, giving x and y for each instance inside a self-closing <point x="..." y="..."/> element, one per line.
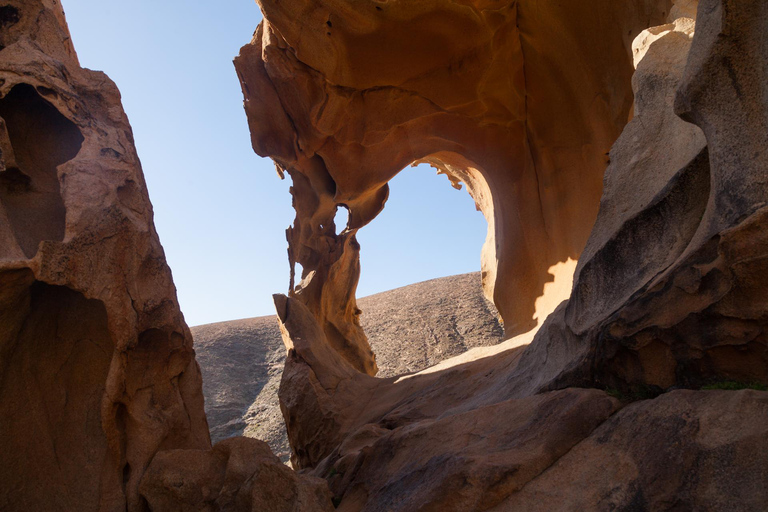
<point x="343" y="95"/>
<point x="668" y="291"/>
<point x="97" y="371"/>
<point x="410" y="328"/>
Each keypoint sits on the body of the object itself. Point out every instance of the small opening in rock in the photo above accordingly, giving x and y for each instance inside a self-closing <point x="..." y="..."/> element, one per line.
<point x="126" y="473"/>
<point x="9" y="15"/>
<point x="298" y="274"/>
<point x="342" y="218"/>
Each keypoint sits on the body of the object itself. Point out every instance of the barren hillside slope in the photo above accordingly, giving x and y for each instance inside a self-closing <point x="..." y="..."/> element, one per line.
<point x="409" y="328"/>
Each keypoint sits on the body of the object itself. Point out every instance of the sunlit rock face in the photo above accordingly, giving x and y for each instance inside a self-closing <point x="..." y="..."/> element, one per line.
<point x="521" y="101"/>
<point x="97" y="371"/>
<point x="666" y="232"/>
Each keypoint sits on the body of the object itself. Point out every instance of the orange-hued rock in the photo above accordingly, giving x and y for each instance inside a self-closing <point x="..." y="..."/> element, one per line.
<point x="101" y="405"/>
<point x="97" y="371"/>
<point x="520" y="100"/>
<point x="410" y="328"/>
<point x="238" y="474"/>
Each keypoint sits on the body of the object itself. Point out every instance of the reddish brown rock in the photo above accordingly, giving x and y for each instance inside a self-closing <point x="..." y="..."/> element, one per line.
<point x="238" y="474"/>
<point x="100" y="393"/>
<point x="464" y="461"/>
<point x="410" y="328"/>
<point x="97" y="371"/>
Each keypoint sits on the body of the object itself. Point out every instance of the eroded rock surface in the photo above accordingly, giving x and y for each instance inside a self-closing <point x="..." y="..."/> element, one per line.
<point x="686" y="450"/>
<point x="97" y="371"/>
<point x="669" y="288"/>
<point x="343" y="95"/>
<point x="410" y="329"/>
<point x="100" y="393"/>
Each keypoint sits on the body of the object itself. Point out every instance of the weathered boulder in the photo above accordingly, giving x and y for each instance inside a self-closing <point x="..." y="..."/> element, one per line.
<point x="97" y="371"/>
<point x="238" y="474"/>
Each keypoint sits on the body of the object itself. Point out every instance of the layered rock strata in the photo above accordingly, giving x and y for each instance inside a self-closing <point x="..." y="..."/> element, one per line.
<point x="97" y="371"/>
<point x="669" y="287"/>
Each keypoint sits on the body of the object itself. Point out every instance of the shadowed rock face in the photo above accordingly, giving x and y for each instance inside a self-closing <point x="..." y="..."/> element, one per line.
<point x="97" y="371"/>
<point x="668" y="290"/>
<point x="239" y="474"/>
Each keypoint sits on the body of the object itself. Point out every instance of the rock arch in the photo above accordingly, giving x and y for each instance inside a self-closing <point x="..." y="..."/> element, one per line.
<point x="530" y="95"/>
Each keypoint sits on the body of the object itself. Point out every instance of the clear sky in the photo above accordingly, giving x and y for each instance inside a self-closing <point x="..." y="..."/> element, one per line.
<point x="220" y="210"/>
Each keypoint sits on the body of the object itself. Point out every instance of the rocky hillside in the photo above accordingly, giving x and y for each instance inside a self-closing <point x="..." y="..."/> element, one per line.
<point x="410" y="328"/>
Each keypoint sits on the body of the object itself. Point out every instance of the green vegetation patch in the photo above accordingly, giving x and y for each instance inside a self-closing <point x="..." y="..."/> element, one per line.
<point x="732" y="385"/>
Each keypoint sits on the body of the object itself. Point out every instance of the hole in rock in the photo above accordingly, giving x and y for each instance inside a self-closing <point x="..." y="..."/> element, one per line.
<point x="427" y="230"/>
<point x="9" y="15"/>
<point x="40" y="139"/>
<point x="342" y="218"/>
<point x="297" y="276"/>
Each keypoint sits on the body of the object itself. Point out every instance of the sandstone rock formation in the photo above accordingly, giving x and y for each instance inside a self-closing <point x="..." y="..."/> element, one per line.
<point x="669" y="288"/>
<point x="100" y="395"/>
<point x="410" y="329"/>
<point x="97" y="371"/>
<point x="344" y="95"/>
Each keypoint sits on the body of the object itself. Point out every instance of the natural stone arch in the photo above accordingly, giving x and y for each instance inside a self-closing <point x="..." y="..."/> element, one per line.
<point x="343" y="117"/>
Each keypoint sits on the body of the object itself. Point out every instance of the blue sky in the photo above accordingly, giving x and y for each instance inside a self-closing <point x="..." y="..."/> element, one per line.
<point x="220" y="210"/>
